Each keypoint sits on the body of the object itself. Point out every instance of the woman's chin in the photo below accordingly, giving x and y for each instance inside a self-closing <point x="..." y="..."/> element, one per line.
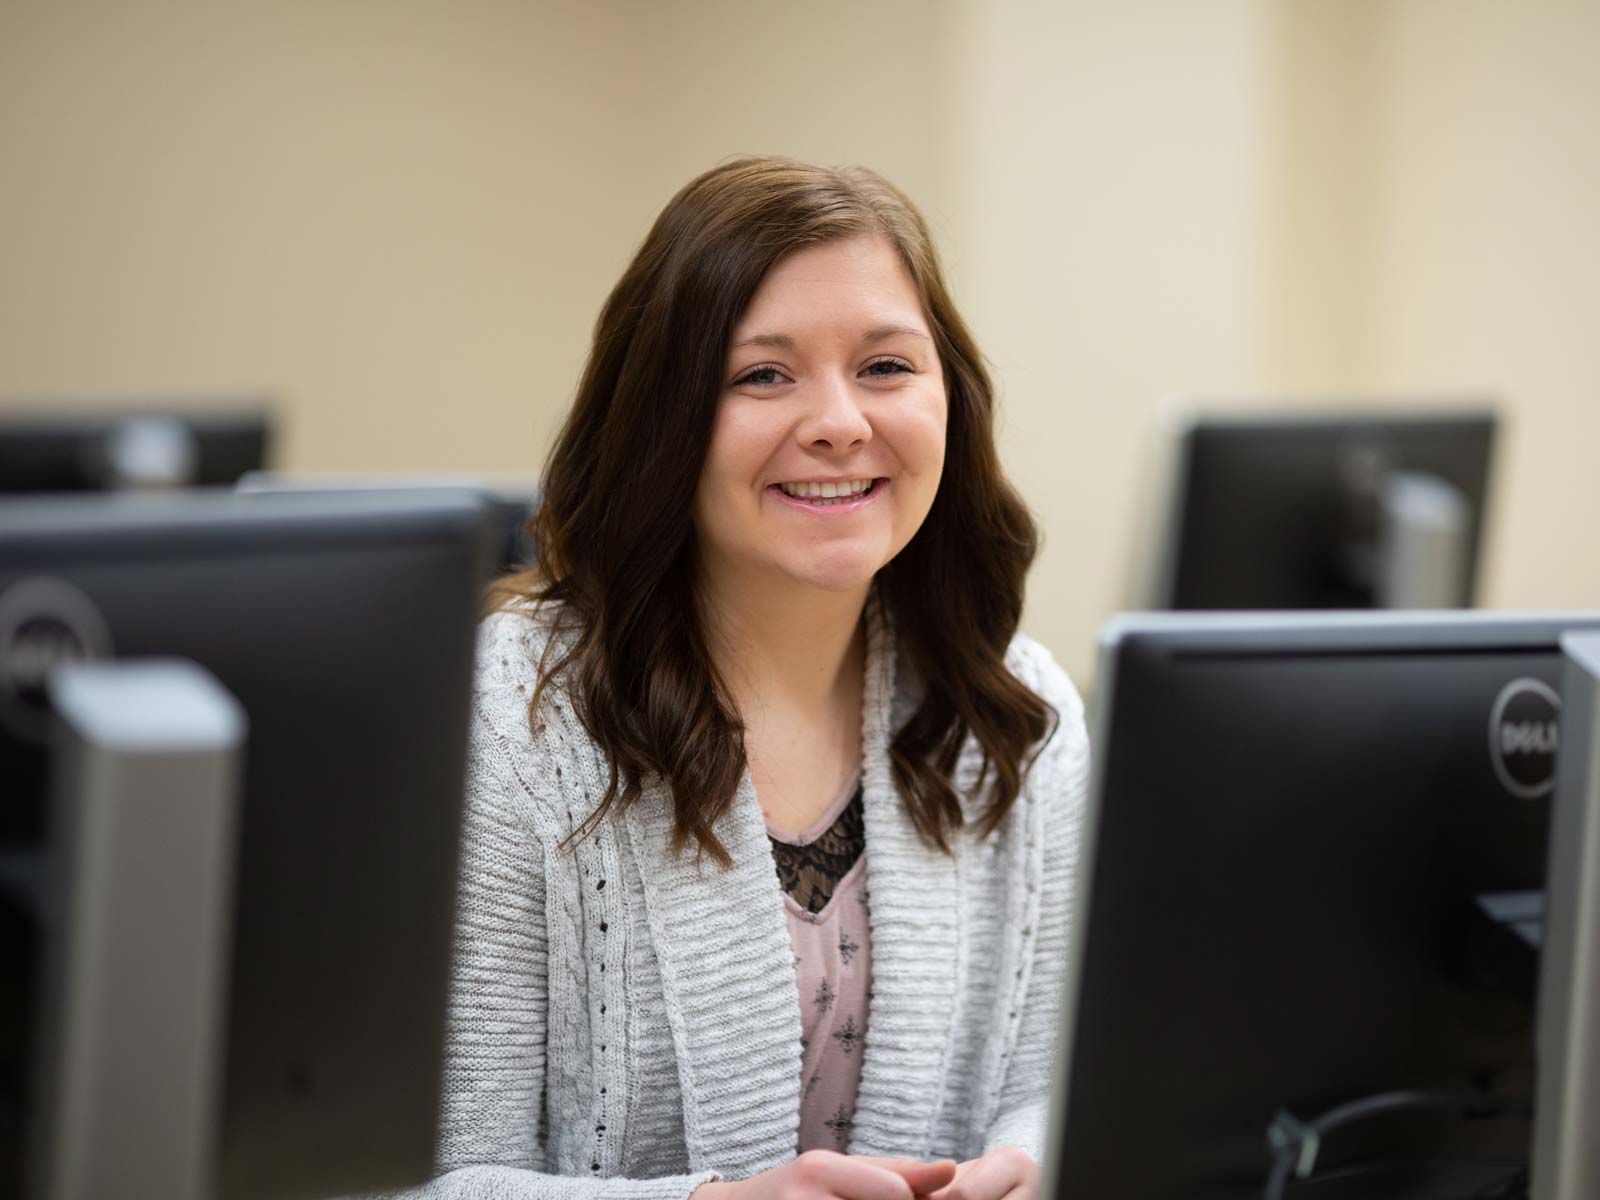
<point x="835" y="578"/>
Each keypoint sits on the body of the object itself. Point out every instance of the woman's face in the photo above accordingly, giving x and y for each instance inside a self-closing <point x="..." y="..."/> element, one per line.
<point x="829" y="437"/>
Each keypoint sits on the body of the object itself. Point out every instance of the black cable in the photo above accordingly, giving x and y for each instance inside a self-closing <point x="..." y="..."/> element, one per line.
<point x="1296" y="1144"/>
<point x="1510" y="1184"/>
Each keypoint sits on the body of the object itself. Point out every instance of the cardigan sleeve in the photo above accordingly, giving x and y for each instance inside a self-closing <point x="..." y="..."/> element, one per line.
<point x="1060" y="787"/>
<point x="489" y="1142"/>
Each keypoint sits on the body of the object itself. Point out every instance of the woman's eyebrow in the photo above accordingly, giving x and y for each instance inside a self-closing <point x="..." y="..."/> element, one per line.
<point x="781" y="340"/>
<point x="880" y="332"/>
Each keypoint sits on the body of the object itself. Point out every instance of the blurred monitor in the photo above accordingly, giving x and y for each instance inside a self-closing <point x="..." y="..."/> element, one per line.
<point x="1312" y="898"/>
<point x="512" y="497"/>
<point x="1297" y="512"/>
<point x="203" y="442"/>
<point x="344" y="627"/>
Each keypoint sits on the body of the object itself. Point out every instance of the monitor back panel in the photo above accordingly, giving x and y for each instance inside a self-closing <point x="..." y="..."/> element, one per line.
<point x="1264" y="517"/>
<point x="1289" y="908"/>
<point x="349" y="644"/>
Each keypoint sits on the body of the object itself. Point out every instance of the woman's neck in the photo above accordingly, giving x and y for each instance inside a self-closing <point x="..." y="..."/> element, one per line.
<point x="782" y="649"/>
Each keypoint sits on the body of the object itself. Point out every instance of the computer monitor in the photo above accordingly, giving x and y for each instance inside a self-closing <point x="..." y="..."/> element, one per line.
<point x="513" y="496"/>
<point x="69" y="447"/>
<point x="1312" y="877"/>
<point x="343" y="626"/>
<point x="1323" y="511"/>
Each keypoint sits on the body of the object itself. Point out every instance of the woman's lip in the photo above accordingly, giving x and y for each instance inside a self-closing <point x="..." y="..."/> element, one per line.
<point x="835" y="479"/>
<point x="831" y="510"/>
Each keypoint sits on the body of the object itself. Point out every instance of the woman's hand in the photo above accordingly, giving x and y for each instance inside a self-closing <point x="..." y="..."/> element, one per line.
<point x="823" y="1175"/>
<point x="1005" y="1173"/>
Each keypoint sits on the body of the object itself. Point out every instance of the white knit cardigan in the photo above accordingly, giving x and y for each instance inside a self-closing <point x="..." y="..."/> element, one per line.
<point x="625" y="1022"/>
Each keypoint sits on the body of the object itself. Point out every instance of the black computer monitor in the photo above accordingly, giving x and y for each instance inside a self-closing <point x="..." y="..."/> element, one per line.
<point x="1338" y="511"/>
<point x="513" y="497"/>
<point x="344" y="627"/>
<point x="1312" y="876"/>
<point x="73" y="448"/>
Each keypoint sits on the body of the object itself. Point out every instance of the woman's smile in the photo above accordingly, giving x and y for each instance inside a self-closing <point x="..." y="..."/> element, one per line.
<point x="830" y="499"/>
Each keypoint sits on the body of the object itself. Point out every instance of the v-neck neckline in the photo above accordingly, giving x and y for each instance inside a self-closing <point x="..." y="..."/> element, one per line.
<point x="824" y="822"/>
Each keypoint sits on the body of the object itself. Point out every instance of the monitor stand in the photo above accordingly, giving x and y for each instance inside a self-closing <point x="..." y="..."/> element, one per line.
<point x="138" y="923"/>
<point x="1566" y="1153"/>
<point x="1423" y="543"/>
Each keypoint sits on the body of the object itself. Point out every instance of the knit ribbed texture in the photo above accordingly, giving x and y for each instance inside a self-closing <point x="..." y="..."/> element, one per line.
<point x="624" y="1022"/>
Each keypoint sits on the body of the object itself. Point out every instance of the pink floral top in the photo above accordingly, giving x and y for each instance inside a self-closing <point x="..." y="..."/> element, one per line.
<point x="823" y="871"/>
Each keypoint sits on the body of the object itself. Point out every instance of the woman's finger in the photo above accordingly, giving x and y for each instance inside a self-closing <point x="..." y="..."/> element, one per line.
<point x="992" y="1177"/>
<point x="944" y="1191"/>
<point x="923" y="1177"/>
<point x="859" y="1179"/>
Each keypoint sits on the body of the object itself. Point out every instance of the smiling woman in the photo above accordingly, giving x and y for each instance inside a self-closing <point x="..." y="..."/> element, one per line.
<point x="828" y="441"/>
<point x="764" y="680"/>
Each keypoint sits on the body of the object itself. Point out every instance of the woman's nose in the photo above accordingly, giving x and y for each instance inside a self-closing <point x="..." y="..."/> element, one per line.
<point x="834" y="417"/>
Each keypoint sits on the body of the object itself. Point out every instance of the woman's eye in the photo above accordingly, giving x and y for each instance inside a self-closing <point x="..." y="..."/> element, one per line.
<point x="760" y="377"/>
<point x="888" y="366"/>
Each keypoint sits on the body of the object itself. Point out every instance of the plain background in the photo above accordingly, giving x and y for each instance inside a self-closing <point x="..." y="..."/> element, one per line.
<point x="402" y="218"/>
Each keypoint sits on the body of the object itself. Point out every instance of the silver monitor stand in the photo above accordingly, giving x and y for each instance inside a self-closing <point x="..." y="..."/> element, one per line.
<point x="1424" y="542"/>
<point x="1566" y="1153"/>
<point x="146" y="791"/>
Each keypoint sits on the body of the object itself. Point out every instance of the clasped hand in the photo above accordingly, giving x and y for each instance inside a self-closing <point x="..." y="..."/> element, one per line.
<point x="1005" y="1173"/>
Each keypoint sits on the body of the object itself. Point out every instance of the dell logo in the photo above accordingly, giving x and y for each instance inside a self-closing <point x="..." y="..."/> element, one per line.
<point x="44" y="623"/>
<point x="1528" y="737"/>
<point x="1524" y="732"/>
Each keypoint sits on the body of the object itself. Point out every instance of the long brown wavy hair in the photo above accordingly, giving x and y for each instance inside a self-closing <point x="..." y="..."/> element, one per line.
<point x="614" y="556"/>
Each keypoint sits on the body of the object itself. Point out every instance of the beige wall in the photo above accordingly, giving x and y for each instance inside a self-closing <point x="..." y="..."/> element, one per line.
<point x="1105" y="242"/>
<point x="1443" y="157"/>
<point x="1485" y="266"/>
<point x="403" y="217"/>
<point x="397" y="216"/>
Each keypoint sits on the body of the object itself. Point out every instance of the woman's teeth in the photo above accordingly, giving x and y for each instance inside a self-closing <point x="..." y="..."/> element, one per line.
<point x="828" y="493"/>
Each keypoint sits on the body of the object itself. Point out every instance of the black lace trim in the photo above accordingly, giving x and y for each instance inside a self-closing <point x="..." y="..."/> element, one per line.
<point x="811" y="872"/>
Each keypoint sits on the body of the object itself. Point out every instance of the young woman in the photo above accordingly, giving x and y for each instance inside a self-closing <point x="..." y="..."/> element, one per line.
<point x="772" y="812"/>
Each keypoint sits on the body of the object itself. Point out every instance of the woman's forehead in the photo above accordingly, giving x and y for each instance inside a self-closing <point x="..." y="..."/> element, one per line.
<point x="858" y="283"/>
